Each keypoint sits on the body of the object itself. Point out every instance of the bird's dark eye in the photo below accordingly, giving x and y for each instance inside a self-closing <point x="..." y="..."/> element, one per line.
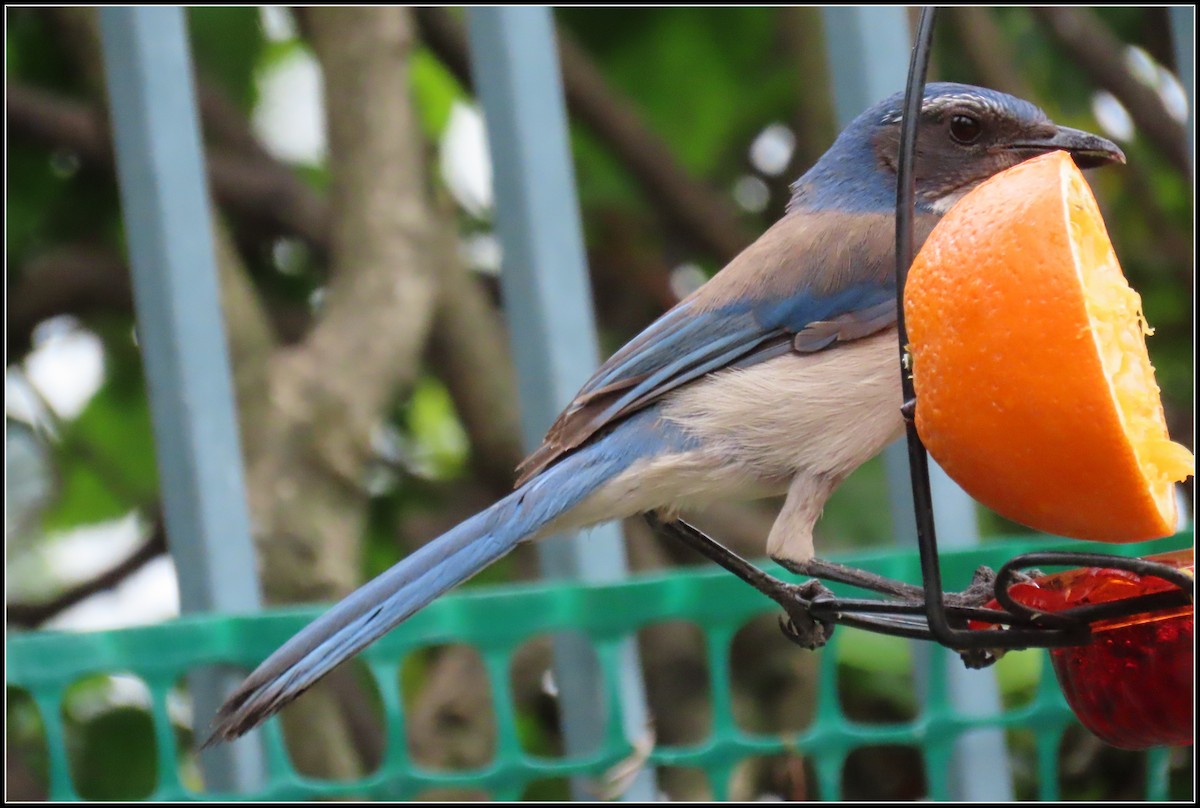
<point x="965" y="129"/>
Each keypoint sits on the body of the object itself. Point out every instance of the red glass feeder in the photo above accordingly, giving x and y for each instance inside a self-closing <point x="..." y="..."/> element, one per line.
<point x="1132" y="684"/>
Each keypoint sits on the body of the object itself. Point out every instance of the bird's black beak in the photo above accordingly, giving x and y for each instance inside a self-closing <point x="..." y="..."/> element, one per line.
<point x="1088" y="150"/>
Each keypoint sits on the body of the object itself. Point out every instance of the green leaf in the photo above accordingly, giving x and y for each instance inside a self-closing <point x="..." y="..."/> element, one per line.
<point x="1018" y="674"/>
<point x="603" y="181"/>
<point x="227" y="43"/>
<point x="52" y="202"/>
<point x="25" y="733"/>
<point x="33" y="192"/>
<point x="276" y="52"/>
<point x="85" y="499"/>
<point x="34" y="53"/>
<point x="704" y="80"/>
<point x="876" y="653"/>
<point x="435" y="89"/>
<point x="441" y="444"/>
<point x="105" y="457"/>
<point x="846" y="523"/>
<point x="116" y="759"/>
<point x="875" y="675"/>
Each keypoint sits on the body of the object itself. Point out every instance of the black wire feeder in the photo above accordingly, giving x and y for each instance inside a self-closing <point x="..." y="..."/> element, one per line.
<point x="926" y="612"/>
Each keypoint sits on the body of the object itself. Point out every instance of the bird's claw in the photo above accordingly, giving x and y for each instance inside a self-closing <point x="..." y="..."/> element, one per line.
<point x="977" y="594"/>
<point x="979" y="658"/>
<point x="908" y="410"/>
<point x="981" y="590"/>
<point x="800" y="625"/>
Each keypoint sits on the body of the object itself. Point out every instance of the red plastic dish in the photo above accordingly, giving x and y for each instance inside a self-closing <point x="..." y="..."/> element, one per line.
<point x="1133" y="684"/>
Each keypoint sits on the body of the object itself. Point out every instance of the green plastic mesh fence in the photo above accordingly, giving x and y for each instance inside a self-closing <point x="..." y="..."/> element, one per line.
<point x="496" y="621"/>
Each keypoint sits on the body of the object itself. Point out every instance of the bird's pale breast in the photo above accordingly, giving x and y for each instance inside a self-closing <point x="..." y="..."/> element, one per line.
<point x="824" y="413"/>
<point x="821" y="414"/>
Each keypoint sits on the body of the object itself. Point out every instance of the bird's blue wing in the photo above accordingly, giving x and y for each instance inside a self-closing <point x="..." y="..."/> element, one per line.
<point x="777" y="296"/>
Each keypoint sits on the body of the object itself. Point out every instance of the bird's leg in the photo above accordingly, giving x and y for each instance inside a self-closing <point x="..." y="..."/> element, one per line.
<point x="811" y="627"/>
<point x="801" y="626"/>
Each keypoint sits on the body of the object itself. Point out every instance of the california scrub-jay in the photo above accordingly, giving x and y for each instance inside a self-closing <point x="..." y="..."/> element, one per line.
<point x="778" y="376"/>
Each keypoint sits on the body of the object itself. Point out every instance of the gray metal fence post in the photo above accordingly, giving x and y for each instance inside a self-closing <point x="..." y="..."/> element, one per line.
<point x="548" y="307"/>
<point x="869" y="50"/>
<point x="1183" y="32"/>
<point x="165" y="205"/>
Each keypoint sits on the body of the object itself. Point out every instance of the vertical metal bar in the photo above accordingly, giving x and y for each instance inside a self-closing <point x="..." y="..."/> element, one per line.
<point x="868" y="54"/>
<point x="1183" y="32"/>
<point x="165" y="205"/>
<point x="869" y="51"/>
<point x="548" y="306"/>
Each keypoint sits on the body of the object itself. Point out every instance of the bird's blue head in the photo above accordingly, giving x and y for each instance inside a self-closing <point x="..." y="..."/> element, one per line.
<point x="966" y="134"/>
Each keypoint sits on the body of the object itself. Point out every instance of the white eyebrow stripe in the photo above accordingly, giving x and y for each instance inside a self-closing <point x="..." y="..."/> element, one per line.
<point x="941" y="102"/>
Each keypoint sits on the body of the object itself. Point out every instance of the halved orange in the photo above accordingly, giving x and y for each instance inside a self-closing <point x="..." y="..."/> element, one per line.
<point x="1034" y="388"/>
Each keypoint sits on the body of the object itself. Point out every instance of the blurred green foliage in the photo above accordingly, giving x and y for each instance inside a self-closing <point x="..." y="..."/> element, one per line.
<point x="104" y="770"/>
<point x="706" y="81"/>
<point x="228" y="46"/>
<point x="106" y="454"/>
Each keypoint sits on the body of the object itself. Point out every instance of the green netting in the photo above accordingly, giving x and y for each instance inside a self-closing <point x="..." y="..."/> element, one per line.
<point x="497" y="621"/>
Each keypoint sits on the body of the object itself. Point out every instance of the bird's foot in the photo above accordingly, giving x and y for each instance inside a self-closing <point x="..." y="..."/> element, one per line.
<point x="800" y="625"/>
<point x="981" y="590"/>
<point x="908" y="410"/>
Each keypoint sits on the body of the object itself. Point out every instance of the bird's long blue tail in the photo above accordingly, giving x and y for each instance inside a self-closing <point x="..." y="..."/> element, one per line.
<point x="374" y="609"/>
<point x="364" y="616"/>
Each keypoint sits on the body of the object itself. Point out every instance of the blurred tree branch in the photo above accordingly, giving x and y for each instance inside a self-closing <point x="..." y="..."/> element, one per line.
<point x="463" y="349"/>
<point x="985" y="45"/>
<point x="88" y="279"/>
<point x="255" y="189"/>
<point x="75" y="279"/>
<point x="32" y="615"/>
<point x="1098" y="52"/>
<point x="703" y="216"/>
<point x="42" y="118"/>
